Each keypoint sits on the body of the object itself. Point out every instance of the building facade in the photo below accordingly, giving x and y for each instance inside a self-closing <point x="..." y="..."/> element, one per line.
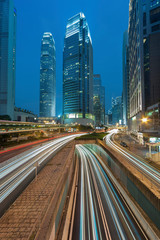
<point x="8" y="18"/>
<point x="98" y="100"/>
<point x="78" y="72"/>
<point x="125" y="69"/>
<point x="22" y="115"/>
<point x="117" y="111"/>
<point x="144" y="58"/>
<point x="102" y="98"/>
<point x="48" y="77"/>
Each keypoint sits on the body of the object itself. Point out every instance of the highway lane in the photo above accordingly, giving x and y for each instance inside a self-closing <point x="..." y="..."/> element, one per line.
<point x="101" y="212"/>
<point x="150" y="172"/>
<point x="15" y="172"/>
<point x="14" y="151"/>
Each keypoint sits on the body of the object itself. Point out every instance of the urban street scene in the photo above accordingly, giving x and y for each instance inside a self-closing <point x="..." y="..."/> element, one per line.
<point x="80" y="120"/>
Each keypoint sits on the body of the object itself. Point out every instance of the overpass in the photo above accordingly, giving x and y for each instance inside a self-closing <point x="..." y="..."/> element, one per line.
<point x="13" y="127"/>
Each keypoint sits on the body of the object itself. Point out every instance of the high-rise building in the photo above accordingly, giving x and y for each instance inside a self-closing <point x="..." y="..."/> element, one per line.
<point x="125" y="58"/>
<point x="78" y="72"/>
<point x="48" y="77"/>
<point x="102" y="105"/>
<point x="98" y="100"/>
<point x="144" y="58"/>
<point x="117" y="112"/>
<point x="8" y="17"/>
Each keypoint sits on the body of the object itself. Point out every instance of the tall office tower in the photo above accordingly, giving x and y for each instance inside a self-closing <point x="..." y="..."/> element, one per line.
<point x="125" y="58"/>
<point x="98" y="100"/>
<point x="8" y="17"/>
<point x="78" y="72"/>
<point x="102" y="97"/>
<point x="144" y="58"/>
<point x="48" y="77"/>
<point x="117" y="112"/>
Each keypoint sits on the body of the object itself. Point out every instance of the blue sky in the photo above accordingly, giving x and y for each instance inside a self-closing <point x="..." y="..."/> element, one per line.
<point x="107" y="21"/>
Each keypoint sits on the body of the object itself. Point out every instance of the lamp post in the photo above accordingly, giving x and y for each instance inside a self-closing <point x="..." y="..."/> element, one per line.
<point x="143" y="121"/>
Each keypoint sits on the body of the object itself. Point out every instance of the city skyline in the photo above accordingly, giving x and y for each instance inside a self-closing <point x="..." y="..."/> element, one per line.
<point x="80" y="136"/>
<point x="112" y="79"/>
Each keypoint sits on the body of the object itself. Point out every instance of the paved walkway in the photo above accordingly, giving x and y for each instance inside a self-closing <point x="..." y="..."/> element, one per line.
<point x="22" y="220"/>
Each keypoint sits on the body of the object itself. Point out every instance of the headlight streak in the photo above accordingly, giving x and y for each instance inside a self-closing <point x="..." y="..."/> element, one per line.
<point x="101" y="166"/>
<point x="13" y="174"/>
<point x="141" y="166"/>
<point x="16" y="163"/>
<point x="105" y="224"/>
<point x="121" y="220"/>
<point x="112" y="208"/>
<point x="10" y="181"/>
<point x="93" y="220"/>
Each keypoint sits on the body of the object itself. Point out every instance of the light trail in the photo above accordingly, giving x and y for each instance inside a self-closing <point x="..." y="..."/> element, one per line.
<point x="15" y="172"/>
<point x="103" y="212"/>
<point x="141" y="166"/>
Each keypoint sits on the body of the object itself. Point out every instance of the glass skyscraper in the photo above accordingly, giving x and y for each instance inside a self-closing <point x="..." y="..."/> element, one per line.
<point x="117" y="112"/>
<point x="125" y="66"/>
<point x="8" y="18"/>
<point x="78" y="72"/>
<point x="98" y="100"/>
<point x="102" y="105"/>
<point x="48" y="77"/>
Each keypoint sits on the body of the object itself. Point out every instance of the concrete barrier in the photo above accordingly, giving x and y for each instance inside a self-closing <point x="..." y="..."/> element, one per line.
<point x="146" y="227"/>
<point x="135" y="187"/>
<point x="68" y="226"/>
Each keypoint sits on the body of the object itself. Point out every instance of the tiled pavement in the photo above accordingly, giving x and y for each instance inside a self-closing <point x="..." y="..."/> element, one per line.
<point x="23" y="218"/>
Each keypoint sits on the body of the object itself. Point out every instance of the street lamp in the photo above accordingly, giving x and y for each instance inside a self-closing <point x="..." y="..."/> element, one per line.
<point x="144" y="120"/>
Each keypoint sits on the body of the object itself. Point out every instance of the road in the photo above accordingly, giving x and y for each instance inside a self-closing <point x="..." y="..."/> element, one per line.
<point x="150" y="172"/>
<point x="14" y="151"/>
<point x="15" y="172"/>
<point x="101" y="212"/>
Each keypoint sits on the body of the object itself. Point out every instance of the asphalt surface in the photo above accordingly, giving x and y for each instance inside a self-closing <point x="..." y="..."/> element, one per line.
<point x="14" y="152"/>
<point x="101" y="212"/>
<point x="17" y="172"/>
<point x="140" y="165"/>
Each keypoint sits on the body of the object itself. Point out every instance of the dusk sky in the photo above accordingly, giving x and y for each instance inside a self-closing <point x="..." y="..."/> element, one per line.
<point x="107" y="21"/>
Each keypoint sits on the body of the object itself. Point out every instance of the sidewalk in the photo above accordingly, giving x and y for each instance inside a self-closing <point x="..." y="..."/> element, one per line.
<point x="23" y="219"/>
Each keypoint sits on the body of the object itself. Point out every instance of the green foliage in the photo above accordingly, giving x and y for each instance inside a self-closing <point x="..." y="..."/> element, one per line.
<point x="5" y="117"/>
<point x="84" y="128"/>
<point x="92" y="136"/>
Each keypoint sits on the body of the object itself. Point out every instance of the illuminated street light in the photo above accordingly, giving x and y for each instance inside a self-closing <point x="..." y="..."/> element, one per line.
<point x="144" y="120"/>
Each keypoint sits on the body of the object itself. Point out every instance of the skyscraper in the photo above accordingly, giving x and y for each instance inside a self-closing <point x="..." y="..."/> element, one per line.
<point x="144" y="58"/>
<point x="78" y="72"/>
<point x="98" y="100"/>
<point x="102" y="105"/>
<point x="48" y="77"/>
<point x="8" y="17"/>
<point x="125" y="58"/>
<point x="117" y="112"/>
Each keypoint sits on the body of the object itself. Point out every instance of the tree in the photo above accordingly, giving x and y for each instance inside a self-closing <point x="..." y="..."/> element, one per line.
<point x="5" y="117"/>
